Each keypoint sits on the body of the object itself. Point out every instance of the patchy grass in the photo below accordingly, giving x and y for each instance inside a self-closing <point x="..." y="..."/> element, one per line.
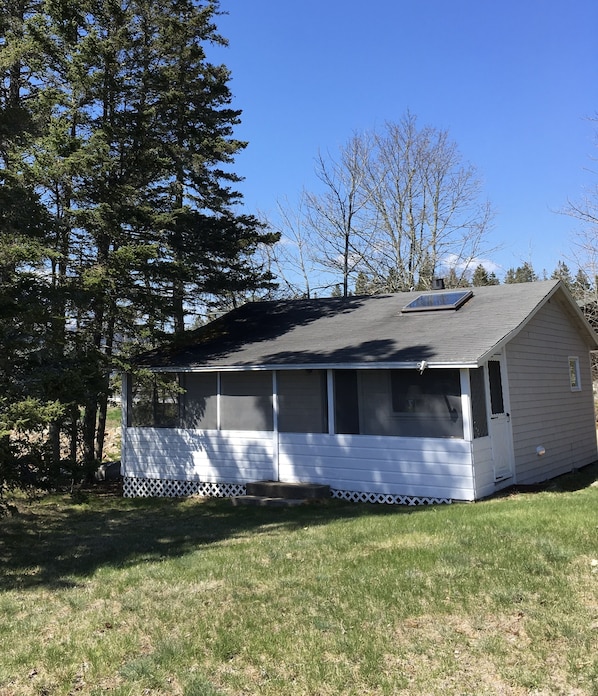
<point x="196" y="597"/>
<point x="113" y="416"/>
<point x="112" y="437"/>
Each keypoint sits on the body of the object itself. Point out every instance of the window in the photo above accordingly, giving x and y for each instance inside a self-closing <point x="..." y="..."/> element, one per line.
<point x="574" y="376"/>
<point x="497" y="404"/>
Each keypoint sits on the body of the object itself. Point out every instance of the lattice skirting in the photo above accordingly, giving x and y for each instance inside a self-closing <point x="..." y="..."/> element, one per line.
<point x="388" y="498"/>
<point x="157" y="488"/>
<point x="161" y="488"/>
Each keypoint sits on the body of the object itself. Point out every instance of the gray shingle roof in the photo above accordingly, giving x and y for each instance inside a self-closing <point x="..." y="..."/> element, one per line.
<point x="363" y="330"/>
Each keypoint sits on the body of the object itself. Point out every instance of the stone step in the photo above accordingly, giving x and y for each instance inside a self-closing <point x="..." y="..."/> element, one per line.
<point x="294" y="491"/>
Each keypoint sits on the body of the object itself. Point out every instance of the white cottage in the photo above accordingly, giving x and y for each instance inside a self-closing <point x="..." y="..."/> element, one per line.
<point x="402" y="398"/>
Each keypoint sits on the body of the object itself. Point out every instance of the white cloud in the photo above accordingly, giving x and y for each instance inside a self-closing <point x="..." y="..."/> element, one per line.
<point x="453" y="261"/>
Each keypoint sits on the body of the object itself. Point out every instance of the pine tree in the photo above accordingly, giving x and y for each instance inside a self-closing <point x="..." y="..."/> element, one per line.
<point x="363" y="284"/>
<point x="455" y="280"/>
<point x="482" y="277"/>
<point x="522" y="274"/>
<point x="128" y="146"/>
<point x="581" y="287"/>
<point x="562" y="272"/>
<point x="25" y="406"/>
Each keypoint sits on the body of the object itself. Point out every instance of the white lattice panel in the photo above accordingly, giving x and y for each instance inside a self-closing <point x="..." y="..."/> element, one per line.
<point x="389" y="499"/>
<point x="157" y="488"/>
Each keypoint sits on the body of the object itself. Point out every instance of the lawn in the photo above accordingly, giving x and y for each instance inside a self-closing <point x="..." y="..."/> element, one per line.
<point x="104" y="595"/>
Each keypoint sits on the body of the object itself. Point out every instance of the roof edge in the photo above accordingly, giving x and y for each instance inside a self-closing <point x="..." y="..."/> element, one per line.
<point x="415" y="365"/>
<point x="558" y="287"/>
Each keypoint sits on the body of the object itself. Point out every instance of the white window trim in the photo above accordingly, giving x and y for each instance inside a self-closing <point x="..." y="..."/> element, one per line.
<point x="574" y="370"/>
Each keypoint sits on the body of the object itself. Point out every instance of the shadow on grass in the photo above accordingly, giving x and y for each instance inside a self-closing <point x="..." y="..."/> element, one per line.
<point x="56" y="542"/>
<point x="567" y="483"/>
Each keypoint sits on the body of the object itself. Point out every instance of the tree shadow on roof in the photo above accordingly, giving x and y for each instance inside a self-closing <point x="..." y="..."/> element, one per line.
<point x="254" y="322"/>
<point x="377" y="351"/>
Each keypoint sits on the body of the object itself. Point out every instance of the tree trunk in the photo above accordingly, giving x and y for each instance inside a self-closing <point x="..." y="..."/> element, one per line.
<point x="178" y="309"/>
<point x="54" y="441"/>
<point x="89" y="430"/>
<point x="101" y="429"/>
<point x="74" y="440"/>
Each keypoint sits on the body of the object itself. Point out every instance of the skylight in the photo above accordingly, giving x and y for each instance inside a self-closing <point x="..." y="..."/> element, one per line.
<point x="433" y="301"/>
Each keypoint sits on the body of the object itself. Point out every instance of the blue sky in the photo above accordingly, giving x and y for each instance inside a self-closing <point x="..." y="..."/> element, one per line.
<point x="513" y="81"/>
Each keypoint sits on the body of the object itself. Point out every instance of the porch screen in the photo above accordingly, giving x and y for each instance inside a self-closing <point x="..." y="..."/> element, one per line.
<point x="427" y="404"/>
<point x="302" y="401"/>
<point x="346" y="401"/>
<point x="199" y="407"/>
<point x="246" y="401"/>
<point x="154" y="401"/>
<point x="478" y="402"/>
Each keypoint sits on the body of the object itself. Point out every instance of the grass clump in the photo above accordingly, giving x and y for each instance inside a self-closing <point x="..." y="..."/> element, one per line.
<point x="196" y="597"/>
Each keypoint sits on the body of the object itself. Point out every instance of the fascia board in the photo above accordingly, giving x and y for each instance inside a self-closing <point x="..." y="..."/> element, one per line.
<point x="317" y="366"/>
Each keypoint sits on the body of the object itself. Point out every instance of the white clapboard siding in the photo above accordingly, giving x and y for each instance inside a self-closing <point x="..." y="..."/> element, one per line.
<point x="484" y="468"/>
<point x="195" y="455"/>
<point x="545" y="412"/>
<point x="424" y="467"/>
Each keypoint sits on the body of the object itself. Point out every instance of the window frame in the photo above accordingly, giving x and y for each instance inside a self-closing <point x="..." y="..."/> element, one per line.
<point x="574" y="373"/>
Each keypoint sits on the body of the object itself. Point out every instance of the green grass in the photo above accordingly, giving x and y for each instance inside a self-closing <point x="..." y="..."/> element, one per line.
<point x="112" y="441"/>
<point x="113" y="416"/>
<point x="133" y="597"/>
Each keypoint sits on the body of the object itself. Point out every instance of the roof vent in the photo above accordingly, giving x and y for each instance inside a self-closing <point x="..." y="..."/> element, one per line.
<point x="438" y="284"/>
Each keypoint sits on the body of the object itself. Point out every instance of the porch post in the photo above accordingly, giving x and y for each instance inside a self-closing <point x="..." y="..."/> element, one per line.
<point x="124" y="418"/>
<point x="330" y="400"/>
<point x="466" y="405"/>
<point x="275" y="438"/>
<point x="218" y="399"/>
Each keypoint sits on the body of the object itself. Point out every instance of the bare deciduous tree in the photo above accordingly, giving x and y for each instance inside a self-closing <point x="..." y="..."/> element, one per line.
<point x="398" y="207"/>
<point x="585" y="245"/>
<point x="338" y="217"/>
<point x="292" y="259"/>
<point x="426" y="201"/>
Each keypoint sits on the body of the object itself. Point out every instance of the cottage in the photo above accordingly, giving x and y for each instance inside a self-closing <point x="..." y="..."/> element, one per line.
<point x="402" y="398"/>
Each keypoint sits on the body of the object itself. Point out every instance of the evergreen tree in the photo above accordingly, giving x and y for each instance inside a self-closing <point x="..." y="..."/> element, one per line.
<point x="562" y="272"/>
<point x="363" y="284"/>
<point x="581" y="287"/>
<point x="24" y="291"/>
<point x="455" y="280"/>
<point x="482" y="277"/>
<point x="522" y="274"/>
<point x="125" y="146"/>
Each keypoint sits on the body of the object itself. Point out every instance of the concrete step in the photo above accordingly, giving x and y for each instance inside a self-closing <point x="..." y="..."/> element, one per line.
<point x="264" y="501"/>
<point x="296" y="491"/>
